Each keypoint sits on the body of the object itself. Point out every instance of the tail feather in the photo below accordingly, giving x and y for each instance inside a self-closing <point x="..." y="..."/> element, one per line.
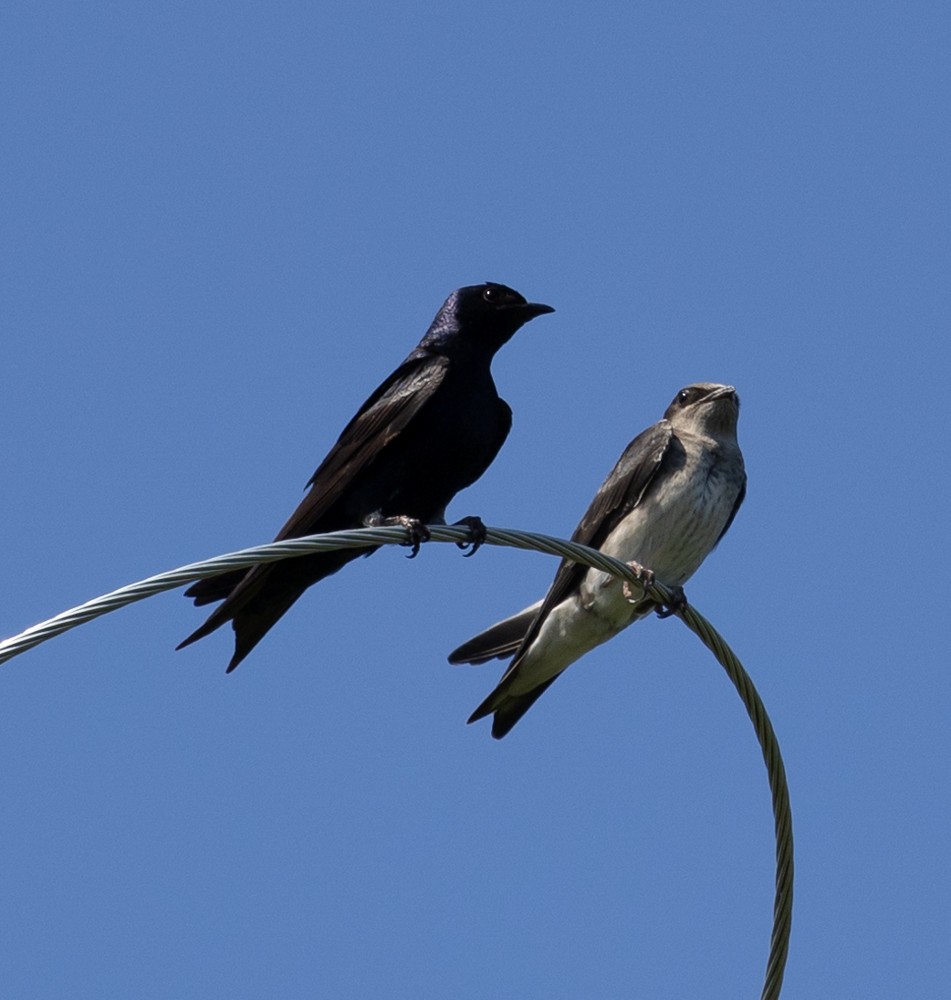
<point x="248" y="587"/>
<point x="215" y="588"/>
<point x="512" y="709"/>
<point x="215" y="621"/>
<point x="251" y="626"/>
<point x="508" y="709"/>
<point x="250" y="623"/>
<point x="258" y="597"/>
<point x="499" y="641"/>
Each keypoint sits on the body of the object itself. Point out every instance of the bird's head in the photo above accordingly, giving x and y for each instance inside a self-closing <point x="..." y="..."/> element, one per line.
<point x="705" y="408"/>
<point x="481" y="317"/>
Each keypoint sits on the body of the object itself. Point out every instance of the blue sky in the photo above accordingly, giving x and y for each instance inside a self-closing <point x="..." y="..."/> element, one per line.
<point x="221" y="228"/>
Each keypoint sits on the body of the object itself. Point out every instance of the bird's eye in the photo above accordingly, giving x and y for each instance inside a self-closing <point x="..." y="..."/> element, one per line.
<point x="683" y="397"/>
<point x="491" y="294"/>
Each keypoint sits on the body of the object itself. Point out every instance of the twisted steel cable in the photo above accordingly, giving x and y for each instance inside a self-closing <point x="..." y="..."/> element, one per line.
<point x="529" y="540"/>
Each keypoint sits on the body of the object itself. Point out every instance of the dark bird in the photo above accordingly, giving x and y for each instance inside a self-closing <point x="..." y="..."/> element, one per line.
<point x="666" y="504"/>
<point x="431" y="429"/>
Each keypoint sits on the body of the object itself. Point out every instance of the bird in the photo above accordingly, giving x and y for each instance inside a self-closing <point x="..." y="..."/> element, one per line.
<point x="665" y="505"/>
<point x="428" y="431"/>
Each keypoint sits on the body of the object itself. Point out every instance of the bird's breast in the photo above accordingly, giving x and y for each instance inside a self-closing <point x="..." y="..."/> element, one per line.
<point x="450" y="443"/>
<point x="674" y="528"/>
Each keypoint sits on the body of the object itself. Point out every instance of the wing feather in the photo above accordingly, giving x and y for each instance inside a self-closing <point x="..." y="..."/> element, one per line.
<point x="381" y="419"/>
<point x="619" y="494"/>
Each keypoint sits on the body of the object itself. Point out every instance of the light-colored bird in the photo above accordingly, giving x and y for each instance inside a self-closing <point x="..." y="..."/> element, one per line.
<point x="666" y="504"/>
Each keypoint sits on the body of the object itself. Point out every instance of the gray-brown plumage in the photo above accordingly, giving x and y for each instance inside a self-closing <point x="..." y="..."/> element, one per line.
<point x="431" y="429"/>
<point x="671" y="497"/>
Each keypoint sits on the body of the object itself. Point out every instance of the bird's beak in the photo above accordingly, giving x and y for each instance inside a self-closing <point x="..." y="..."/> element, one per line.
<point x="723" y="392"/>
<point x="532" y="309"/>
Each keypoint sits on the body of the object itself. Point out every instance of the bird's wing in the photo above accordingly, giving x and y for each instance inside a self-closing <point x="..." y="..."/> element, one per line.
<point x="741" y="496"/>
<point x="499" y="641"/>
<point x="619" y="494"/>
<point x="381" y="419"/>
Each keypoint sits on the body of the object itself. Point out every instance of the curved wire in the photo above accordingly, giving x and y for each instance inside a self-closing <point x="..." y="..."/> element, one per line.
<point x="529" y="540"/>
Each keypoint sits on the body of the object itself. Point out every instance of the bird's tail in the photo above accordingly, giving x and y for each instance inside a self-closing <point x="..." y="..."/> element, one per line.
<point x="259" y="596"/>
<point x="252" y="625"/>
<point x="498" y="641"/>
<point x="507" y="708"/>
<point x="250" y="622"/>
<point x="215" y="588"/>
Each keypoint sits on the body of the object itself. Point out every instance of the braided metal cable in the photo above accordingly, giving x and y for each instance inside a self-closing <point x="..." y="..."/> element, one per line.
<point x="529" y="540"/>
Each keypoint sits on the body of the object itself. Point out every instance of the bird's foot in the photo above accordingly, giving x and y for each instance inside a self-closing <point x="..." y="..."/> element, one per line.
<point x="676" y="604"/>
<point x="417" y="532"/>
<point x="476" y="534"/>
<point x="415" y="529"/>
<point x="646" y="578"/>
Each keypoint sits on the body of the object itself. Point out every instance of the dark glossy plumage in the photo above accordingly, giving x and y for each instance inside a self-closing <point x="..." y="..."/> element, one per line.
<point x="431" y="429"/>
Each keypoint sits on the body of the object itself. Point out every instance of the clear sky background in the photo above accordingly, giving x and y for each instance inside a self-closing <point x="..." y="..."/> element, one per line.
<point x="221" y="226"/>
